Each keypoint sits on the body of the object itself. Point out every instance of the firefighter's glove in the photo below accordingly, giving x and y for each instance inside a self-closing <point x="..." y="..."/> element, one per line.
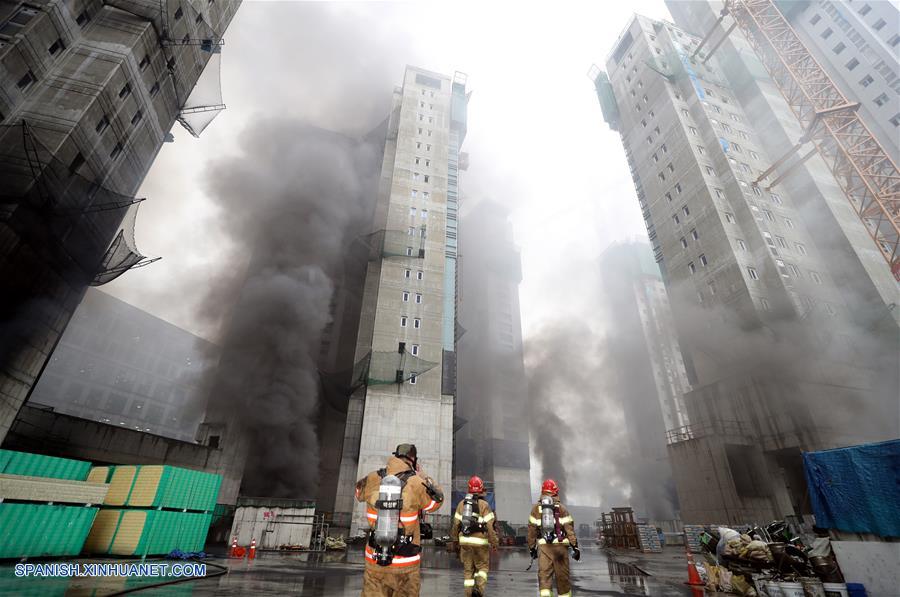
<point x="533" y="553"/>
<point x="576" y="553"/>
<point x="433" y="491"/>
<point x="453" y="547"/>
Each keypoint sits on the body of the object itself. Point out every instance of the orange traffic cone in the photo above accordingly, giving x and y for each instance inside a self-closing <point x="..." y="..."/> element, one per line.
<point x="252" y="554"/>
<point x="694" y="581"/>
<point x="232" y="553"/>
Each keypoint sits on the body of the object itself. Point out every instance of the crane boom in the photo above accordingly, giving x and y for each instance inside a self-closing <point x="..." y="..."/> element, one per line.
<point x="861" y="166"/>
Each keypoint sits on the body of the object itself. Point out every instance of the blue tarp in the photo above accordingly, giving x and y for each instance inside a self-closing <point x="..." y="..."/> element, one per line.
<point x="856" y="489"/>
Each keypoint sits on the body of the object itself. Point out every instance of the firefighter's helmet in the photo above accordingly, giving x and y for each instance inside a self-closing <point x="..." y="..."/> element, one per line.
<point x="406" y="451"/>
<point x="476" y="485"/>
<point x="550" y="487"/>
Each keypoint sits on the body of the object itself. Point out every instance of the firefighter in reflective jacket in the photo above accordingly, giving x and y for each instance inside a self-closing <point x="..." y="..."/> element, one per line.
<point x="551" y="532"/>
<point x="396" y="497"/>
<point x="473" y="536"/>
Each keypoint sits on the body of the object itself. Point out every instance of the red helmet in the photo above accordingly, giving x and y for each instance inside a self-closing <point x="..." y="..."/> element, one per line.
<point x="550" y="487"/>
<point x="476" y="485"/>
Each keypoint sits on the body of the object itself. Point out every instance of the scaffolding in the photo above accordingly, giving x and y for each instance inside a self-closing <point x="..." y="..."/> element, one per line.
<point x="861" y="166"/>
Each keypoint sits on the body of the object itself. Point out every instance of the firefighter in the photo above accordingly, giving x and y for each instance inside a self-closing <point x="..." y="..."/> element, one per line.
<point x="551" y="532"/>
<point x="473" y="536"/>
<point x="396" y="497"/>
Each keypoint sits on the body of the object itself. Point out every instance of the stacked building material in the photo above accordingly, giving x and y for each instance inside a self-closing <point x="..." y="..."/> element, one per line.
<point x="140" y="532"/>
<point x="648" y="539"/>
<point x="38" y="465"/>
<point x="693" y="532"/>
<point x="48" y="507"/>
<point x="152" y="510"/>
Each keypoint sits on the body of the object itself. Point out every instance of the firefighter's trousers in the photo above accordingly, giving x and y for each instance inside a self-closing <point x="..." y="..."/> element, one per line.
<point x="391" y="582"/>
<point x="553" y="560"/>
<point x="476" y="561"/>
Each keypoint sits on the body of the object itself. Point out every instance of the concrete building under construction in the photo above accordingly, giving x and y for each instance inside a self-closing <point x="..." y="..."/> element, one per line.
<point x="89" y="92"/>
<point x="782" y="299"/>
<point x="492" y="436"/>
<point x="640" y="336"/>
<point x="407" y="330"/>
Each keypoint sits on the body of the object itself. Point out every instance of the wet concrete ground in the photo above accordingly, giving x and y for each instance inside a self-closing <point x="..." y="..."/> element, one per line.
<point x="339" y="574"/>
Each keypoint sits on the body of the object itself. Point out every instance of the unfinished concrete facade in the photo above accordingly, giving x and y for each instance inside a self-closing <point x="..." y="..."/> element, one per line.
<point x="492" y="439"/>
<point x="408" y="320"/>
<point x="99" y="87"/>
<point x="781" y="300"/>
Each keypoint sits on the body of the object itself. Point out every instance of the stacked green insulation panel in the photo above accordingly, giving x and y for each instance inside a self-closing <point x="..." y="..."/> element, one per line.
<point x="31" y="526"/>
<point x="153" y="509"/>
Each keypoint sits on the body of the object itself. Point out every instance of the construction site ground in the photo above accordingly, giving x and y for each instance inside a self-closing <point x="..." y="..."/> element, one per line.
<point x="670" y="566"/>
<point x="339" y="574"/>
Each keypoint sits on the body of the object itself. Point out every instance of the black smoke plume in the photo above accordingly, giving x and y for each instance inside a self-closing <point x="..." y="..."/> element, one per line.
<point x="293" y="200"/>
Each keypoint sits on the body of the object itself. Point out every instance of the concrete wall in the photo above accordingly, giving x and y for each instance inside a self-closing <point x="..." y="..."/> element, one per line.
<point x="872" y="563"/>
<point x="119" y="365"/>
<point x="43" y="431"/>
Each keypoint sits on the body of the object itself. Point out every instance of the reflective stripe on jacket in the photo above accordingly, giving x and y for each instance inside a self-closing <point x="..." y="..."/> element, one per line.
<point x="477" y="538"/>
<point x="396" y="562"/>
<point x="420" y="494"/>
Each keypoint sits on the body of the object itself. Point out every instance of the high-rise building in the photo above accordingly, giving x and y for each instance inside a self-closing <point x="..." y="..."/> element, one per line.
<point x="90" y="91"/>
<point x="641" y="339"/>
<point x="119" y="365"/>
<point x="408" y="324"/>
<point x="781" y="300"/>
<point x="857" y="44"/>
<point x="492" y="436"/>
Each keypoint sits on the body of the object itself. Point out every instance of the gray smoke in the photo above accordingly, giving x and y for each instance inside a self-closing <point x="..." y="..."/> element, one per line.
<point x="628" y="378"/>
<point x="832" y="374"/>
<point x="583" y="369"/>
<point x="576" y="424"/>
<point x="290" y="203"/>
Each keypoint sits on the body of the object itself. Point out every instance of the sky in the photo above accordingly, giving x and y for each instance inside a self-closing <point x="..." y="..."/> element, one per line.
<point x="536" y="138"/>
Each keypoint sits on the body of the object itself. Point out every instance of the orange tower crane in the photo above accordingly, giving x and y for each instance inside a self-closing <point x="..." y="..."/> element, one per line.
<point x="861" y="166"/>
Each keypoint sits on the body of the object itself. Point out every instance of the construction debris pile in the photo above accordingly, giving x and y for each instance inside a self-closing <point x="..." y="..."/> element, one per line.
<point x="770" y="561"/>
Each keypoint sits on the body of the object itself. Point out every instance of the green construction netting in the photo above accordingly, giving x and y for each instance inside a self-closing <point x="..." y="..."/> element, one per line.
<point x="394" y="243"/>
<point x="375" y="368"/>
<point x="388" y="367"/>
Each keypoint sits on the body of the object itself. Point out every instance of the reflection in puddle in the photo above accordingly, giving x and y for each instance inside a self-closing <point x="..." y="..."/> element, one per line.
<point x="632" y="580"/>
